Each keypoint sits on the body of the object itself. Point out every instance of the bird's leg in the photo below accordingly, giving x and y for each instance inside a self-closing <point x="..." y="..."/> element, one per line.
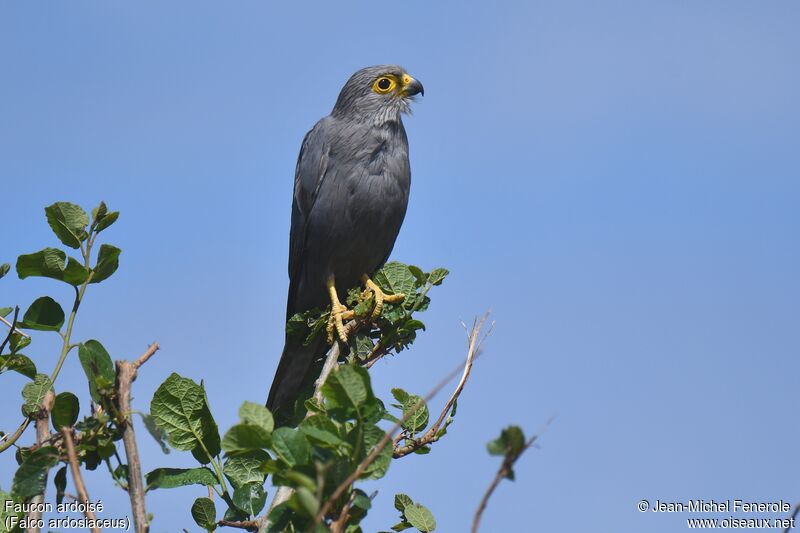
<point x="380" y="296"/>
<point x="339" y="313"/>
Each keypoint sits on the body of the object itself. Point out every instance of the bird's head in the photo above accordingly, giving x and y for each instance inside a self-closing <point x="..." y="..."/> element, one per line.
<point x="380" y="93"/>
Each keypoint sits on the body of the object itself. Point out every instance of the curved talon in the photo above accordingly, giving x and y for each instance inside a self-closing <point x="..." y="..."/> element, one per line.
<point x="380" y="296"/>
<point x="339" y="313"/>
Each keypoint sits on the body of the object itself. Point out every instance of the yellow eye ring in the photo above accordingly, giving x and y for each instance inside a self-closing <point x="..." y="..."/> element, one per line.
<point x="384" y="84"/>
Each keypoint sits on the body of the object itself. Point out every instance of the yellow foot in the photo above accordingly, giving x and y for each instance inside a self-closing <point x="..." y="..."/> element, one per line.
<point x="339" y="313"/>
<point x="380" y="296"/>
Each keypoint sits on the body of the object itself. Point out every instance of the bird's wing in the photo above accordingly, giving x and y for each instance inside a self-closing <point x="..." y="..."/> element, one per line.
<point x="312" y="167"/>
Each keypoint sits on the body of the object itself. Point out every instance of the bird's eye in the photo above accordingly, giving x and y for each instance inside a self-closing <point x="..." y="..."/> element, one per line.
<point x="383" y="85"/>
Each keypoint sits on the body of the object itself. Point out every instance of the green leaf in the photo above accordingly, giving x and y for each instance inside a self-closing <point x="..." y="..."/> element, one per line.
<point x="419" y="275"/>
<point x="308" y="502"/>
<point x="402" y="526"/>
<point x="99" y="212"/>
<point x="60" y="481"/>
<point x="437" y="275"/>
<point x="68" y="221"/>
<point x="180" y="409"/>
<point x="322" y="432"/>
<point x="245" y="437"/>
<point x="31" y="476"/>
<point x="250" y="498"/>
<point x="18" y="342"/>
<point x="291" y="446"/>
<point x="107" y="263"/>
<point x="256" y="414"/>
<point x="401" y="501"/>
<point x="34" y="392"/>
<point x="4" y="268"/>
<point x="102" y="218"/>
<point x="106" y="221"/>
<point x="11" y="513"/>
<point x="415" y="407"/>
<point x="49" y="263"/>
<point x="511" y="442"/>
<point x="377" y="469"/>
<point x="420" y="517"/>
<point x="18" y="363"/>
<point x="75" y="273"/>
<point x="247" y="467"/>
<point x="97" y="366"/>
<point x="156" y="432"/>
<point x="65" y="410"/>
<point x="279" y="518"/>
<point x="361" y="346"/>
<point x="395" y="278"/>
<point x="4" y="311"/>
<point x="205" y="514"/>
<point x="169" y="478"/>
<point x="44" y="314"/>
<point x="347" y="386"/>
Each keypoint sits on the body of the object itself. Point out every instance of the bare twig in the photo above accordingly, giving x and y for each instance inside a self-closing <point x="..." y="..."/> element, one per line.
<point x="249" y="525"/>
<point x="432" y="434"/>
<point x="339" y="524"/>
<point x="126" y="374"/>
<point x="83" y="496"/>
<point x="387" y="437"/>
<point x="504" y="470"/>
<point x="42" y="435"/>
<point x="792" y="518"/>
<point x="12" y="327"/>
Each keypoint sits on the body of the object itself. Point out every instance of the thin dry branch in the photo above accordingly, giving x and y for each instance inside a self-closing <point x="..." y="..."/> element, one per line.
<point x="12" y="327"/>
<point x="792" y="518"/>
<point x="504" y="470"/>
<point x="339" y="524"/>
<point x="83" y="496"/>
<point x="126" y="374"/>
<point x="475" y="343"/>
<point x="42" y="435"/>
<point x="387" y="437"/>
<point x="249" y="525"/>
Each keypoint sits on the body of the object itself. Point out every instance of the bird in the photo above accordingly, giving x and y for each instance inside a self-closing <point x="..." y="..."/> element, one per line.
<point x="351" y="190"/>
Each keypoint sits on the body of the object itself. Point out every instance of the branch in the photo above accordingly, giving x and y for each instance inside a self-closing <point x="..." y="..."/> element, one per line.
<point x="387" y="437"/>
<point x="431" y="435"/>
<point x="792" y="518"/>
<point x="83" y="496"/>
<point x="12" y="327"/>
<point x="331" y="360"/>
<point x="126" y="374"/>
<point x="504" y="471"/>
<point x="249" y="525"/>
<point x="42" y="435"/>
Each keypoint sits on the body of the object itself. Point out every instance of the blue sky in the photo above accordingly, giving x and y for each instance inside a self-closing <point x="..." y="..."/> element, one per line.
<point x="617" y="181"/>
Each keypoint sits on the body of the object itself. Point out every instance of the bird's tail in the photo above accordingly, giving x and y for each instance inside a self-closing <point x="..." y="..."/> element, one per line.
<point x="294" y="378"/>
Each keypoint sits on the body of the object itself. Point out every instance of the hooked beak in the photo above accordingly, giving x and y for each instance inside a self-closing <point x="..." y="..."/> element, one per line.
<point x="412" y="86"/>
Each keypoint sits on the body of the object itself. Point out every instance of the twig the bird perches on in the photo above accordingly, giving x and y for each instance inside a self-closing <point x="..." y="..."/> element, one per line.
<point x="502" y="472"/>
<point x="42" y="435"/>
<point x="77" y="479"/>
<point x="387" y="437"/>
<point x="432" y="434"/>
<point x="126" y="374"/>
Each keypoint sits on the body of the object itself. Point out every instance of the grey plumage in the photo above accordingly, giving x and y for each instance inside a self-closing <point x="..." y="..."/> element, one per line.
<point x="350" y="196"/>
